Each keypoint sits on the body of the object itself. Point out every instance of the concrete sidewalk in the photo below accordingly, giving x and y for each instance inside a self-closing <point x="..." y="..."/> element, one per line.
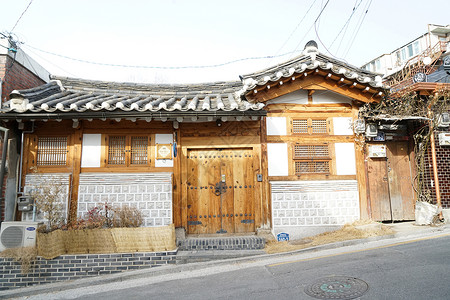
<point x="404" y="231"/>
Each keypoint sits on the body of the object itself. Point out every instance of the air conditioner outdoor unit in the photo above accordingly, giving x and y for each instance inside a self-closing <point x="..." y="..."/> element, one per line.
<point x="18" y="234"/>
<point x="371" y="130"/>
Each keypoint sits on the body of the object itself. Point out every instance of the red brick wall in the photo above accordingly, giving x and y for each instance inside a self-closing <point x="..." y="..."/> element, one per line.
<point x="443" y="167"/>
<point x="17" y="77"/>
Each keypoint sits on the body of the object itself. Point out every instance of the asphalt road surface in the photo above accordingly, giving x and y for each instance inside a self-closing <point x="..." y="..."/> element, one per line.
<point x="408" y="270"/>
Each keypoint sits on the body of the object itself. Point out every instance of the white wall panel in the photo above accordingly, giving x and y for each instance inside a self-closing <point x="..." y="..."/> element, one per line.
<point x="342" y="126"/>
<point x="91" y="151"/>
<point x="297" y="97"/>
<point x="277" y="159"/>
<point x="330" y="97"/>
<point x="276" y="126"/>
<point x="345" y="159"/>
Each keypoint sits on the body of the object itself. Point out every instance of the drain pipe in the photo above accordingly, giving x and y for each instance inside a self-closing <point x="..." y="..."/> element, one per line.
<point x="3" y="166"/>
<point x="19" y="190"/>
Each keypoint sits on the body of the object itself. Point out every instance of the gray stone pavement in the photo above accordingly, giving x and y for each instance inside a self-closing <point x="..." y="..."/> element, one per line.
<point x="405" y="231"/>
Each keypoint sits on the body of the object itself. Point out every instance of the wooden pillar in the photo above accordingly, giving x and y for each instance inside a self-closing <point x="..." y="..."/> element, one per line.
<point x="266" y="209"/>
<point x="75" y="150"/>
<point x="177" y="183"/>
<point x="361" y="172"/>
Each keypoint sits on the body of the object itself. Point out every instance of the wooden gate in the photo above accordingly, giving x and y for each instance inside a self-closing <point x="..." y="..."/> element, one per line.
<point x="220" y="191"/>
<point x="390" y="184"/>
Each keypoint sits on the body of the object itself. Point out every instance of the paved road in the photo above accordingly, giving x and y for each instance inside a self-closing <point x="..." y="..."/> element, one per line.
<point x="408" y="270"/>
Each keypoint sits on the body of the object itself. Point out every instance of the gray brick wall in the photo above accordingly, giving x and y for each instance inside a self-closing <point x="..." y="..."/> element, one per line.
<point x="69" y="267"/>
<point x="231" y="243"/>
<point x="151" y="193"/>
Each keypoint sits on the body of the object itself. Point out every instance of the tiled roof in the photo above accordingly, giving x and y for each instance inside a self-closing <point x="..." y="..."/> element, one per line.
<point x="65" y="95"/>
<point x="309" y="60"/>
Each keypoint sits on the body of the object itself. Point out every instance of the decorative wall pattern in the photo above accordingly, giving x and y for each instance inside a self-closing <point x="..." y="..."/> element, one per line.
<point x="314" y="203"/>
<point x="151" y="193"/>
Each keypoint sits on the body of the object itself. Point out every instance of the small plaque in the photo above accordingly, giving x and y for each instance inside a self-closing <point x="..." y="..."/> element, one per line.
<point x="163" y="151"/>
<point x="377" y="150"/>
<point x="283" y="236"/>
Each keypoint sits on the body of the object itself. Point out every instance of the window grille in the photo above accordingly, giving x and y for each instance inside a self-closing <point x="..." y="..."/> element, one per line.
<point x="116" y="150"/>
<point x="52" y="151"/>
<point x="311" y="159"/>
<point x="139" y="150"/>
<point x="300" y="126"/>
<point x="319" y="126"/>
<point x="309" y="126"/>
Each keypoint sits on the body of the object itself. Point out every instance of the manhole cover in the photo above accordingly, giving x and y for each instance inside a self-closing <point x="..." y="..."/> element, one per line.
<point x="337" y="287"/>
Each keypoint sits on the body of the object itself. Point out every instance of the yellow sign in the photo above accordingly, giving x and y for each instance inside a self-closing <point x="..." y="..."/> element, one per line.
<point x="163" y="151"/>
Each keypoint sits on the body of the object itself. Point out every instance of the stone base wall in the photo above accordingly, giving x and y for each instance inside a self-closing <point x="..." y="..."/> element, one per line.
<point x="69" y="267"/>
<point x="301" y="204"/>
<point x="151" y="193"/>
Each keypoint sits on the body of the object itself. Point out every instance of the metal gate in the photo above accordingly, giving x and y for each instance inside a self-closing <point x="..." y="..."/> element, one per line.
<point x="220" y="191"/>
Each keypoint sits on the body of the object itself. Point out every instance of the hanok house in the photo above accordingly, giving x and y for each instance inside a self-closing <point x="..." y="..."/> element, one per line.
<point x="205" y="156"/>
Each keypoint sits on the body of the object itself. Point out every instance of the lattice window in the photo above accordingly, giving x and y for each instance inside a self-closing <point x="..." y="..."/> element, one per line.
<point x="311" y="159"/>
<point x="128" y="150"/>
<point x="139" y="150"/>
<point x="309" y="126"/>
<point x="319" y="126"/>
<point x="300" y="126"/>
<point x="116" y="150"/>
<point x="52" y="151"/>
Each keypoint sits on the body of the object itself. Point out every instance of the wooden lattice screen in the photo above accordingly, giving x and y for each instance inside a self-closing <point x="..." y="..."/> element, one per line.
<point x="52" y="151"/>
<point x="139" y="150"/>
<point x="309" y="126"/>
<point x="116" y="150"/>
<point x="311" y="159"/>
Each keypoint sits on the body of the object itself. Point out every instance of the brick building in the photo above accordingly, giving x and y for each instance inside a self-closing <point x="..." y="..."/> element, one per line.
<point x="17" y="71"/>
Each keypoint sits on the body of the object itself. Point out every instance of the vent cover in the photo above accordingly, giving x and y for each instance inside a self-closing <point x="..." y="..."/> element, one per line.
<point x="12" y="237"/>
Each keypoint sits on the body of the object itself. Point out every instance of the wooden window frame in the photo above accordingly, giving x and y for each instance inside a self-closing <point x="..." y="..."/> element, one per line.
<point x="312" y="160"/>
<point x="310" y="126"/>
<point x="50" y="154"/>
<point x="128" y="151"/>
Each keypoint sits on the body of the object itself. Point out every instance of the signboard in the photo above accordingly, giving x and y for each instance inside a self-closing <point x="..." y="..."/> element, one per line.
<point x="377" y="150"/>
<point x="163" y="151"/>
<point x="283" y="236"/>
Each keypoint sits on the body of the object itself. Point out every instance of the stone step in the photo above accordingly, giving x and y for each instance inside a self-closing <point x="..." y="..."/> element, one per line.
<point x="222" y="243"/>
<point x="184" y="257"/>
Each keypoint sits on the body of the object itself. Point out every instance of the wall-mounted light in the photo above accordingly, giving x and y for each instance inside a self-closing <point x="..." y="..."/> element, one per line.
<point x="219" y="122"/>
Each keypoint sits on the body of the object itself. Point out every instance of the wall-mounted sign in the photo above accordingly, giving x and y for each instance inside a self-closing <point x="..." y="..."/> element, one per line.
<point x="380" y="137"/>
<point x="283" y="236"/>
<point x="163" y="151"/>
<point x="377" y="150"/>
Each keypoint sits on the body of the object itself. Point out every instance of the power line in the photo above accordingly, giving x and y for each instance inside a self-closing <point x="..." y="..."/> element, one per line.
<point x="296" y="27"/>
<point x="21" y="16"/>
<point x="161" y="67"/>
<point x="357" y="30"/>
<point x="299" y="43"/>
<point x="355" y="8"/>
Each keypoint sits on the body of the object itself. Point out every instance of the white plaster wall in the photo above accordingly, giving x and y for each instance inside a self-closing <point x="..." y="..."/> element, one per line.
<point x="329" y="97"/>
<point x="276" y="126"/>
<point x="277" y="155"/>
<point x="297" y="97"/>
<point x="164" y="139"/>
<point x="151" y="193"/>
<point x="304" y="208"/>
<point x="91" y="150"/>
<point x="342" y="126"/>
<point x="345" y="159"/>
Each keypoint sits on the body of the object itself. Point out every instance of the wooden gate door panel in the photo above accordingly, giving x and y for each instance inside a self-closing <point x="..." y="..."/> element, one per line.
<point x="203" y="204"/>
<point x="227" y="201"/>
<point x="400" y="181"/>
<point x="378" y="189"/>
<point x="243" y="178"/>
<point x="230" y="209"/>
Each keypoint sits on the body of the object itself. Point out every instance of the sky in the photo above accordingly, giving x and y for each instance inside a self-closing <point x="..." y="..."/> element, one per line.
<point x="165" y="38"/>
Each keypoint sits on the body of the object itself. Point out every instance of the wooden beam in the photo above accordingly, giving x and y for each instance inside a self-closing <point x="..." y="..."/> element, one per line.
<point x="75" y="153"/>
<point x="316" y="81"/>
